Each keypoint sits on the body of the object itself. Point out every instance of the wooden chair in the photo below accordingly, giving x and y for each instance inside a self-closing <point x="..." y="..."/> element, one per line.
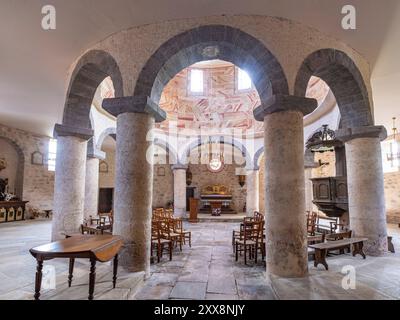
<point x="249" y="240"/>
<point x="311" y="222"/>
<point x="178" y="228"/>
<point x="167" y="227"/>
<point x="92" y="230"/>
<point x="159" y="243"/>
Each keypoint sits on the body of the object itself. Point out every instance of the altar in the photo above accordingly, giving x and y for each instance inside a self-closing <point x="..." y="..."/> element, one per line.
<point x="216" y="197"/>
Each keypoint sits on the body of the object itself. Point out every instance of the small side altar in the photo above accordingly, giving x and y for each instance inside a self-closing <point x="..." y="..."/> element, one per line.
<point x="11" y="208"/>
<point x="216" y="196"/>
<point x="12" y="211"/>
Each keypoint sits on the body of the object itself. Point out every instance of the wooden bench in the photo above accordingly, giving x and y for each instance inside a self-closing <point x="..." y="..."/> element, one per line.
<point x="321" y="249"/>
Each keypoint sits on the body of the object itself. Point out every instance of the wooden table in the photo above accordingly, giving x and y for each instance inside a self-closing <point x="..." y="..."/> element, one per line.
<point x="321" y="249"/>
<point x="100" y="248"/>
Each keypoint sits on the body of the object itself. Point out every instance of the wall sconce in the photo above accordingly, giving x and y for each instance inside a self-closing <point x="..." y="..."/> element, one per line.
<point x="242" y="180"/>
<point x="189" y="177"/>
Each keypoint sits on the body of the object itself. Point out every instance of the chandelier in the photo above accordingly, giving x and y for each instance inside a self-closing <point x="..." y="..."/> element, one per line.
<point x="323" y="140"/>
<point x="394" y="153"/>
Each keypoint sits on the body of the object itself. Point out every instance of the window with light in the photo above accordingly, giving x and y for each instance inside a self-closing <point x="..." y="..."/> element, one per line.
<point x="196" y="81"/>
<point x="51" y="157"/>
<point x="243" y="80"/>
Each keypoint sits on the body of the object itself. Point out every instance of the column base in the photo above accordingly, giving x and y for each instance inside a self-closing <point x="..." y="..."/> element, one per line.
<point x="376" y="247"/>
<point x="130" y="261"/>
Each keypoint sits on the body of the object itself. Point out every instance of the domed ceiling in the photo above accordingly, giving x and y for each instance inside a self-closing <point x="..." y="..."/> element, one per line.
<point x="220" y="108"/>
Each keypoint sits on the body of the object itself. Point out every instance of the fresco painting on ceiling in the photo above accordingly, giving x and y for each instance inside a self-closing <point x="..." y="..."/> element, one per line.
<point x="222" y="108"/>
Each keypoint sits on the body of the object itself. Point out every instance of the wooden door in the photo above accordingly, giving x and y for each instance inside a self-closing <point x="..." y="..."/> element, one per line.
<point x="106" y="197"/>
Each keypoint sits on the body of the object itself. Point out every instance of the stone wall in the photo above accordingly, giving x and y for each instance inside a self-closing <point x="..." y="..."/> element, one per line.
<point x="9" y="153"/>
<point x="38" y="182"/>
<point x="329" y="167"/>
<point x="107" y="179"/>
<point x="392" y="196"/>
<point x="202" y="177"/>
<point x="163" y="188"/>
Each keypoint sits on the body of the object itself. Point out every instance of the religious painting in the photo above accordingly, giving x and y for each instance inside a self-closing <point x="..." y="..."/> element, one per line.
<point x="37" y="158"/>
<point x="103" y="167"/>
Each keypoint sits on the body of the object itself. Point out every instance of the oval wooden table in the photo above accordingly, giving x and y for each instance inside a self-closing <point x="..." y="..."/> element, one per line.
<point x="100" y="248"/>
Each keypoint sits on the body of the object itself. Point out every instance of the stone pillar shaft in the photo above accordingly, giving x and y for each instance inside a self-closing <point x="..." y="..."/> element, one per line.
<point x="253" y="192"/>
<point x="69" y="190"/>
<point x="91" y="187"/>
<point x="134" y="190"/>
<point x="366" y="193"/>
<point x="308" y="189"/>
<point x="286" y="234"/>
<point x="179" y="191"/>
<point x="134" y="177"/>
<point x="285" y="198"/>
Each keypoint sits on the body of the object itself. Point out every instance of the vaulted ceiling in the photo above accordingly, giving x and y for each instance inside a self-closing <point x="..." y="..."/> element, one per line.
<point x="34" y="63"/>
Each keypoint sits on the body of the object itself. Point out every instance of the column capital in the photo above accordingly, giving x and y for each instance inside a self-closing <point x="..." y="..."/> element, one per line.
<point x="134" y="104"/>
<point x="348" y="134"/>
<point x="96" y="154"/>
<point x="179" y="166"/>
<point x="280" y="103"/>
<point x="61" y="130"/>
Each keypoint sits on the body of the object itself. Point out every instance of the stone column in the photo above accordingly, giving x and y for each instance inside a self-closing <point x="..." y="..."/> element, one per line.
<point x="365" y="185"/>
<point x="134" y="177"/>
<point x="252" y="196"/>
<point x="92" y="183"/>
<point x="179" y="190"/>
<point x="286" y="234"/>
<point x="309" y="165"/>
<point x="69" y="186"/>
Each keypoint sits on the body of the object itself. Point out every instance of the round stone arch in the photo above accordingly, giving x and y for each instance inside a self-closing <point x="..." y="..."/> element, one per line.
<point x="172" y="154"/>
<point x="91" y="69"/>
<point x="199" y="142"/>
<point x="19" y="183"/>
<point x="257" y="157"/>
<point x="207" y="43"/>
<point x="112" y="131"/>
<point x="341" y="74"/>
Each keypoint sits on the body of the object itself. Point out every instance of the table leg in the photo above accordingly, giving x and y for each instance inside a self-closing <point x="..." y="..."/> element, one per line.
<point x="320" y="256"/>
<point x="71" y="271"/>
<point x="38" y="279"/>
<point x="92" y="278"/>
<point x="115" y="270"/>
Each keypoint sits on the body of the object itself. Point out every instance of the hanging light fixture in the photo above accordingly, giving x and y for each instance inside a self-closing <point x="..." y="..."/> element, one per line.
<point x="394" y="153"/>
<point x="323" y="140"/>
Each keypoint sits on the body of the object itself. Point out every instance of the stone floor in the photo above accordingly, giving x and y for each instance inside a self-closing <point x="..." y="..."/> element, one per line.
<point x="205" y="271"/>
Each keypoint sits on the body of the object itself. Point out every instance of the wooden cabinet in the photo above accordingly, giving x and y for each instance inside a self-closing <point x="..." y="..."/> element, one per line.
<point x="330" y="195"/>
<point x="12" y="211"/>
